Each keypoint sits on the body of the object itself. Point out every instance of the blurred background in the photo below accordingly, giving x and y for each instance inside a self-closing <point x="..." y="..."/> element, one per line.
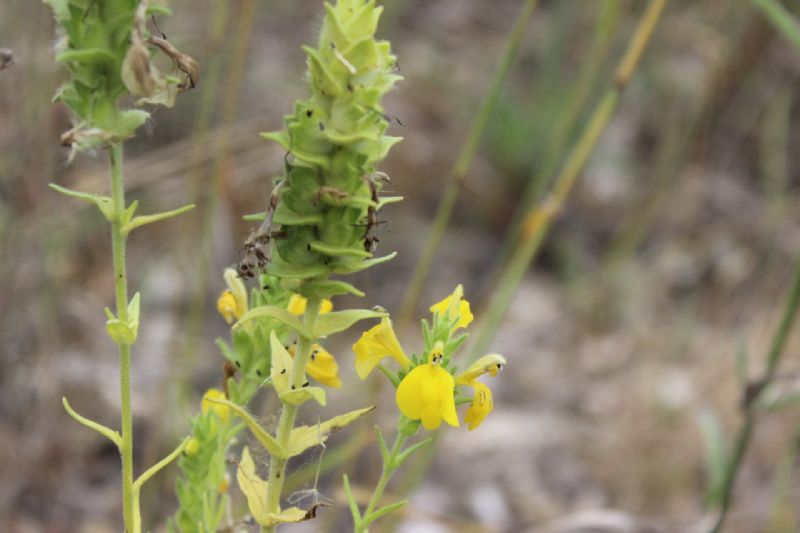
<point x="674" y="253"/>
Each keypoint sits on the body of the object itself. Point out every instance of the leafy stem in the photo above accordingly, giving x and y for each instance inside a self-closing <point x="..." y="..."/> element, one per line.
<point x="277" y="466"/>
<point x="392" y="460"/>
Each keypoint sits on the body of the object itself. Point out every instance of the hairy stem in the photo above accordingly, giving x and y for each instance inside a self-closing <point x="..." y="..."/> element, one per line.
<point x="277" y="466"/>
<point x="121" y="292"/>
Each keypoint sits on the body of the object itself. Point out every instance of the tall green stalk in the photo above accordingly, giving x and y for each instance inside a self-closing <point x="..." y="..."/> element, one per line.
<point x="538" y="219"/>
<point x="108" y="50"/>
<point x="118" y="243"/>
<point x="463" y="163"/>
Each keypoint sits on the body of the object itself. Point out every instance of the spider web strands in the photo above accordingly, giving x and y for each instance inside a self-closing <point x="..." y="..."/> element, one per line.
<point x="539" y="218"/>
<point x="463" y="163"/>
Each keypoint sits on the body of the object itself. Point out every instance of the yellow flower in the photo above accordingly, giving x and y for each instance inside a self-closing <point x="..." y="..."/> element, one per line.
<point x="297" y="305"/>
<point x="192" y="447"/>
<point x="232" y="303"/>
<point x="375" y="344"/>
<point x="455" y="306"/>
<point x="222" y="411"/>
<point x="481" y="405"/>
<point x="426" y="394"/>
<point x="321" y="366"/>
<point x="488" y="364"/>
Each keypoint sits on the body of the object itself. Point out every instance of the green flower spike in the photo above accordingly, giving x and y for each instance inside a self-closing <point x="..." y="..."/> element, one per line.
<point x="325" y="209"/>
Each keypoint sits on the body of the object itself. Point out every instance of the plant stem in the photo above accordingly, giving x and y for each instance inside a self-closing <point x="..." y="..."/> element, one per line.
<point x="781" y="18"/>
<point x="121" y="292"/>
<point x="538" y="219"/>
<point x="746" y="431"/>
<point x="462" y="164"/>
<point x="389" y="466"/>
<point x="277" y="466"/>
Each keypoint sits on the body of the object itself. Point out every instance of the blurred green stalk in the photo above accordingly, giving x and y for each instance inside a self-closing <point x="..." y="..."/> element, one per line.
<point x="746" y="431"/>
<point x="538" y="219"/>
<point x="463" y="163"/>
<point x="569" y="114"/>
<point x="781" y="18"/>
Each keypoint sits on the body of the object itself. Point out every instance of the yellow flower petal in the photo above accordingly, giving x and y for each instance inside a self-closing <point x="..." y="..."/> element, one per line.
<point x="237" y="289"/>
<point x="488" y="364"/>
<point x="375" y="344"/>
<point x="455" y="305"/>
<point x="226" y="306"/>
<point x="192" y="447"/>
<point x="323" y="367"/>
<point x="221" y="410"/>
<point x="297" y="305"/>
<point x="426" y="394"/>
<point x="481" y="406"/>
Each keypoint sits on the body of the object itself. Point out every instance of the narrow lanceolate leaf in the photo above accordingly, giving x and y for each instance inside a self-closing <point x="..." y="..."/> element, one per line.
<point x="107" y="432"/>
<point x="277" y="313"/>
<point x="305" y="437"/>
<point x="139" y="221"/>
<point x="268" y="441"/>
<point x="352" y="268"/>
<point x="102" y="202"/>
<point x="337" y="321"/>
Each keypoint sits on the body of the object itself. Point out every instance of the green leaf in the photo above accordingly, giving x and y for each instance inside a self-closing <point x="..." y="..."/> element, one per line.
<point x="403" y="456"/>
<point x="304" y="437"/>
<point x="133" y="311"/>
<point x="280" y="364"/>
<point x="86" y="56"/>
<point x="716" y="455"/>
<point x="149" y="219"/>
<point x="129" y="121"/>
<point x="386" y="200"/>
<point x="252" y="486"/>
<point x="339" y="251"/>
<point x="351" y="501"/>
<point x="107" y="432"/>
<point x="103" y="203"/>
<point x="326" y="288"/>
<point x="363" y="265"/>
<point x="281" y="269"/>
<point x="337" y="321"/>
<point x="268" y="441"/>
<point x="302" y="395"/>
<point x="287" y="217"/>
<point x="120" y="332"/>
<point x="383" y="511"/>
<point x="277" y="313"/>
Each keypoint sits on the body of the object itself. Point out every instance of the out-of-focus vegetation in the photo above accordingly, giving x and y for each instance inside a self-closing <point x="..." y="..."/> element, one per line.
<point x="649" y="312"/>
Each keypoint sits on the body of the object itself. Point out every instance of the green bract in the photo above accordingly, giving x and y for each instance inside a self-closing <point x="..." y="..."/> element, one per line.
<point x="328" y="200"/>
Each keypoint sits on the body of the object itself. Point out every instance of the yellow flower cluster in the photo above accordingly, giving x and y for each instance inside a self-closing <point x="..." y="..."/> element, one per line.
<point x="232" y="305"/>
<point x="427" y="392"/>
